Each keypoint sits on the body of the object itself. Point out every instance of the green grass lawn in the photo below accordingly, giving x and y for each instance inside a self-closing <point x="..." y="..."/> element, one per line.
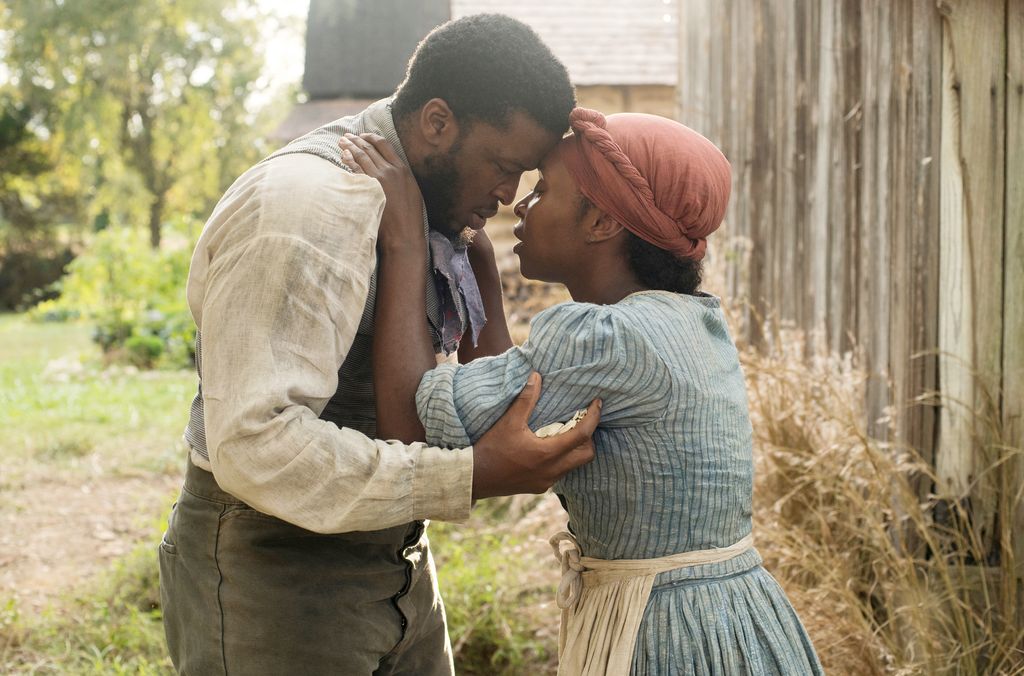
<point x="59" y="404"/>
<point x="63" y="414"/>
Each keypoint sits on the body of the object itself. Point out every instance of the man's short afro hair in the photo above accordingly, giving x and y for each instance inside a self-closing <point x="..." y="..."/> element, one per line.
<point x="485" y="66"/>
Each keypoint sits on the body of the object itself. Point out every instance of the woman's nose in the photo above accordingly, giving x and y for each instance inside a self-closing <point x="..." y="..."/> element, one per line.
<point x="520" y="208"/>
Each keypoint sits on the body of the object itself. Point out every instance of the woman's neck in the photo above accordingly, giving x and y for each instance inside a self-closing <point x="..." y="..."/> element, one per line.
<point x="605" y="289"/>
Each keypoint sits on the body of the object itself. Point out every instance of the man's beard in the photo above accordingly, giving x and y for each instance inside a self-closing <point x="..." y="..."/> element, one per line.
<point x="440" y="185"/>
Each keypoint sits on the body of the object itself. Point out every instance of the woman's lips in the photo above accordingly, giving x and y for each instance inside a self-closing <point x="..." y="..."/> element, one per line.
<point x="517" y="232"/>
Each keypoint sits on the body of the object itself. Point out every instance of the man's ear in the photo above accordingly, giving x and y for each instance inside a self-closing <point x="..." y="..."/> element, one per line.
<point x="603" y="228"/>
<point x="437" y="125"/>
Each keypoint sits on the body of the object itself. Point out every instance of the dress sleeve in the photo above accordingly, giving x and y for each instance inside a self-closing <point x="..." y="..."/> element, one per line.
<point x="582" y="351"/>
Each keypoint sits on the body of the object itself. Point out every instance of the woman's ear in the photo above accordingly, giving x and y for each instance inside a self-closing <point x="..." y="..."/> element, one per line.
<point x="603" y="228"/>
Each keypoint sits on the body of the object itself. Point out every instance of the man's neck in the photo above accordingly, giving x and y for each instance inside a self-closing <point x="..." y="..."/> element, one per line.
<point x="407" y="137"/>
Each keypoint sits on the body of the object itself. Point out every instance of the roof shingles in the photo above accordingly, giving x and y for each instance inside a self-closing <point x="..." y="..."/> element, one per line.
<point x="601" y="42"/>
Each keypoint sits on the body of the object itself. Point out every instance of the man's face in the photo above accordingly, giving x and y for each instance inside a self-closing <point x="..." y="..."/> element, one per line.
<point x="462" y="187"/>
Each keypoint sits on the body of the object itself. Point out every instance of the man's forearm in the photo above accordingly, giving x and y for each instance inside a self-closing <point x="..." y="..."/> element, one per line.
<point x="327" y="479"/>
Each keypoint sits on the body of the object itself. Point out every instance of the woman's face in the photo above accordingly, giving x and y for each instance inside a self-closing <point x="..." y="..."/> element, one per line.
<point x="550" y="232"/>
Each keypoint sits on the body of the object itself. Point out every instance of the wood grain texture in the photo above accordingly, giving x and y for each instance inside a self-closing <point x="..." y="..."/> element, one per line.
<point x="972" y="167"/>
<point x="1013" y="261"/>
<point x="877" y="202"/>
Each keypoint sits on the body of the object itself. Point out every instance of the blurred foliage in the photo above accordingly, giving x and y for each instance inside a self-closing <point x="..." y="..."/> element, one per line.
<point x="133" y="294"/>
<point x="30" y="258"/>
<point x="29" y="195"/>
<point x="27" y="274"/>
<point x="124" y="112"/>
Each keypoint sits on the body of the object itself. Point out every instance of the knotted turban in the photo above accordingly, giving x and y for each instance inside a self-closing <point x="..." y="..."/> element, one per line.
<point x="661" y="180"/>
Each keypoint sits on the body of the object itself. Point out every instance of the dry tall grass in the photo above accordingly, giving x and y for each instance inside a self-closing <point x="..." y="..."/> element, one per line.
<point x="883" y="586"/>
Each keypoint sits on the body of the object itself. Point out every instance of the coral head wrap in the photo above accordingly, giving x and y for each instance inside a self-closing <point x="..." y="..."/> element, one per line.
<point x="661" y="180"/>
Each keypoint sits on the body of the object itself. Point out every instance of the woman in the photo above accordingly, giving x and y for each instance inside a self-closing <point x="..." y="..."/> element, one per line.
<point x="661" y="519"/>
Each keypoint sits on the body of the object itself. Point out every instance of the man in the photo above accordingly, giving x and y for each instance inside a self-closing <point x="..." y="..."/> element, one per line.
<point x="297" y="544"/>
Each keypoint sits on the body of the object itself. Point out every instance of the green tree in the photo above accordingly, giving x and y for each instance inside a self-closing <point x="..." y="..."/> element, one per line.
<point x="143" y="104"/>
<point x="28" y="199"/>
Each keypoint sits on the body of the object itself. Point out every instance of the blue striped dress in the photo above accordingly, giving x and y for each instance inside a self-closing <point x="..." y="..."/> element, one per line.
<point x="673" y="470"/>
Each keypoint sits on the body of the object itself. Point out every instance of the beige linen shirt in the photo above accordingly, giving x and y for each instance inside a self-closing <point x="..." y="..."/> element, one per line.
<point x="277" y="286"/>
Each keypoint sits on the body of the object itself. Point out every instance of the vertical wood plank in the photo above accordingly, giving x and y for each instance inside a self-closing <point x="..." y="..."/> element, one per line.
<point x="739" y="143"/>
<point x="849" y="184"/>
<point x="762" y="214"/>
<point x="819" y="195"/>
<point x="971" y="243"/>
<point x="900" y="213"/>
<point x="845" y="47"/>
<point x="1013" y="260"/>
<point x="874" y="264"/>
<point x="807" y="26"/>
<point x="921" y="422"/>
<point x="694" y="66"/>
<point x="788" y="97"/>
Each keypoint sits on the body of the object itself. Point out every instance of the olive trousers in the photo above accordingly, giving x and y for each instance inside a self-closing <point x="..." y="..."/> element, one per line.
<point x="246" y="593"/>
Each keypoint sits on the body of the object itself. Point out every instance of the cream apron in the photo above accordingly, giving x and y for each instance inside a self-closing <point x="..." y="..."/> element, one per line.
<point x="603" y="602"/>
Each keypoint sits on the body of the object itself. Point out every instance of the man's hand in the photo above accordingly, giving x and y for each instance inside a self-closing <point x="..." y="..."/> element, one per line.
<point x="511" y="459"/>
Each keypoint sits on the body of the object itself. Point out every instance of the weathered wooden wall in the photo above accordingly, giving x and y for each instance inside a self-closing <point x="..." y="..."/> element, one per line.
<point x="877" y="155"/>
<point x="1013" y="294"/>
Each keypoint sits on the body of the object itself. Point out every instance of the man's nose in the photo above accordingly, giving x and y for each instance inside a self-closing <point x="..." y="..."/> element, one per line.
<point x="506" y="191"/>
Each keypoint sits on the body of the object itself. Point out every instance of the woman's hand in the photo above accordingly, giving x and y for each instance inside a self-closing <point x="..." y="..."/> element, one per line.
<point x="401" y="226"/>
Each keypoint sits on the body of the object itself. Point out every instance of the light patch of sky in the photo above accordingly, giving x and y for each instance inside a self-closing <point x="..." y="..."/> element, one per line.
<point x="284" y="45"/>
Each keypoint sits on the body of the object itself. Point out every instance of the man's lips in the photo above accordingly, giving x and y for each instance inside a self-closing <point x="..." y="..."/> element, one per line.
<point x="480" y="217"/>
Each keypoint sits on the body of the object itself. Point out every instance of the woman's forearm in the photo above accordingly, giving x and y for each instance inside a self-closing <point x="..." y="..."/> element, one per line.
<point x="402" y="347"/>
<point x="494" y="338"/>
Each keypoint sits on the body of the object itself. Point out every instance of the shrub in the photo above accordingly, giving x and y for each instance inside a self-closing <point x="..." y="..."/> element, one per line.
<point x="143" y="350"/>
<point x="134" y="296"/>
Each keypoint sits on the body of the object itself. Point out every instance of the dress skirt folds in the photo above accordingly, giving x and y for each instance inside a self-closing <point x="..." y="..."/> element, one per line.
<point x="673" y="471"/>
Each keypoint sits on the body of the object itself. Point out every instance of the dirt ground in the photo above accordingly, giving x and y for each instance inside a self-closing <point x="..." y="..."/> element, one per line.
<point x="55" y="534"/>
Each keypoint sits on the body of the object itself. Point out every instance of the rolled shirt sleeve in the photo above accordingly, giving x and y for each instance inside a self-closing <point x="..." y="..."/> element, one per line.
<point x="277" y="287"/>
<point x="582" y="351"/>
